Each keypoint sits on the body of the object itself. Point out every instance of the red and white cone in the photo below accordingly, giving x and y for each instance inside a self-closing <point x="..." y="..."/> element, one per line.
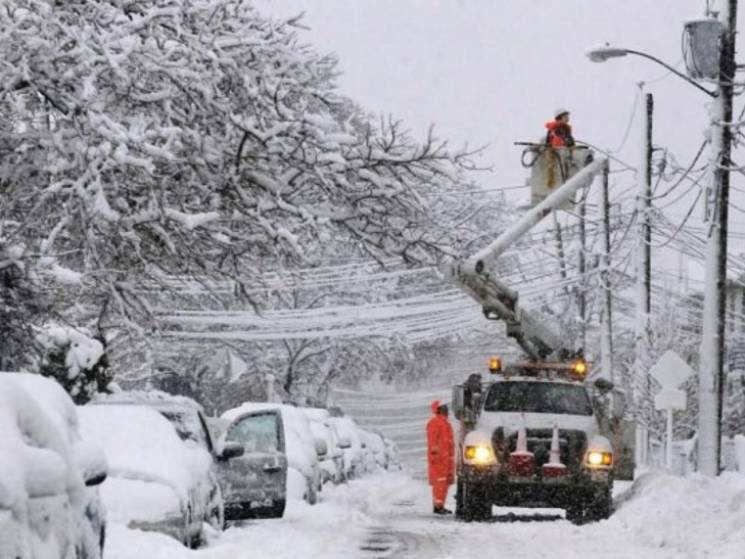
<point x="522" y="461"/>
<point x="554" y="468"/>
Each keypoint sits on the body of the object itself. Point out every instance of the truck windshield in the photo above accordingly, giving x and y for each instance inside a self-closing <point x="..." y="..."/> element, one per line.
<point x="538" y="397"/>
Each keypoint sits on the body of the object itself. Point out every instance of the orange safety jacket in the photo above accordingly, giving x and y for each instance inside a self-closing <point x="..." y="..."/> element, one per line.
<point x="440" y="447"/>
<point x="559" y="134"/>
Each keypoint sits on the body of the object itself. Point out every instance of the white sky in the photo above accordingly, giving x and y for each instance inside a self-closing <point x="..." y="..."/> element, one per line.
<point x="492" y="71"/>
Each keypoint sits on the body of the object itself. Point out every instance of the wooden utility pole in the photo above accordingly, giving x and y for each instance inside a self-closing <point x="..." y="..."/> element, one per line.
<point x="711" y="372"/>
<point x="644" y="292"/>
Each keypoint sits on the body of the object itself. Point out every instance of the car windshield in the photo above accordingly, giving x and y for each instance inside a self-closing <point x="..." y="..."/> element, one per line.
<point x="257" y="433"/>
<point x="187" y="425"/>
<point x="538" y="397"/>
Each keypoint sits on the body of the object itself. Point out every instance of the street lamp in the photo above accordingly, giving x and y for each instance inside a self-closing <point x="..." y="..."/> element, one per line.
<point x="601" y="53"/>
<point x="711" y="369"/>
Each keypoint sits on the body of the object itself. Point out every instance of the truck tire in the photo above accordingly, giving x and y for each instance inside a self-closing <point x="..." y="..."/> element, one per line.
<point x="471" y="503"/>
<point x="598" y="506"/>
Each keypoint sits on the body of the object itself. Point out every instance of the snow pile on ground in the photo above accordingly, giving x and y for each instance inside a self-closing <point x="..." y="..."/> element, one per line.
<point x="694" y="516"/>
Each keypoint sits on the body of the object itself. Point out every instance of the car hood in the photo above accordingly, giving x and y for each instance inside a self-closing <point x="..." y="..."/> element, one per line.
<point x="131" y="497"/>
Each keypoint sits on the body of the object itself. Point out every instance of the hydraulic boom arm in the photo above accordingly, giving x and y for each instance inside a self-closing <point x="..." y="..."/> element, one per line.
<point x="478" y="277"/>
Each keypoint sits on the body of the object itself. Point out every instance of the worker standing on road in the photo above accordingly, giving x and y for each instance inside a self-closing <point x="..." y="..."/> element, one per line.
<point x="440" y="456"/>
<point x="559" y="130"/>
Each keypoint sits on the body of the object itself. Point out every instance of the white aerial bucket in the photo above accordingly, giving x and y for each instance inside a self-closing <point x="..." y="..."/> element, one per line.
<point x="552" y="167"/>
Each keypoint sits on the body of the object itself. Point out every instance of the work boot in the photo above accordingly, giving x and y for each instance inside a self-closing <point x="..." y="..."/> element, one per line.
<point x="442" y="511"/>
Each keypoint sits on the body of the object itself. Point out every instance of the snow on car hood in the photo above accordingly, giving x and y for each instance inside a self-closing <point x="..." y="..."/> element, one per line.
<point x="142" y="446"/>
<point x="489" y="421"/>
<point x="139" y="500"/>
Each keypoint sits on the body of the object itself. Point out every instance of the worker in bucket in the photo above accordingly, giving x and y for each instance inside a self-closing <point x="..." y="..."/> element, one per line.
<point x="559" y="130"/>
<point x="440" y="456"/>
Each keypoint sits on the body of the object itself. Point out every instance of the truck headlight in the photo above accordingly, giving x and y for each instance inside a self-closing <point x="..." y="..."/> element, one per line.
<point x="480" y="454"/>
<point x="597" y="459"/>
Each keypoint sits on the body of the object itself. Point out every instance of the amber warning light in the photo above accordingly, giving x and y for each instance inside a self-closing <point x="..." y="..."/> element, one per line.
<point x="495" y="364"/>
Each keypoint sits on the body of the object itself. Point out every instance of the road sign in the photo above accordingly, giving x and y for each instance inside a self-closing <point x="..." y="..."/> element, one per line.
<point x="670" y="399"/>
<point x="670" y="371"/>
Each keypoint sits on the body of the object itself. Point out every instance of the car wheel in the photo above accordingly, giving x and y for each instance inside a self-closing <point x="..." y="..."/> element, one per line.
<point x="311" y="493"/>
<point x="277" y="510"/>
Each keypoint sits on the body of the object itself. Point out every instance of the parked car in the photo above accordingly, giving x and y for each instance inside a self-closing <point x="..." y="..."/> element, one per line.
<point x="351" y="444"/>
<point x="304" y="471"/>
<point x="188" y="418"/>
<point x="48" y="474"/>
<point x="376" y="445"/>
<point x="255" y="484"/>
<point x="332" y="461"/>
<point x="369" y="461"/>
<point x="391" y="450"/>
<point x="156" y="482"/>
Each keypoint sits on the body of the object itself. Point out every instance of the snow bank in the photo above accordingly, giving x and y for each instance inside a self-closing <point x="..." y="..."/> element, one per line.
<point x="692" y="516"/>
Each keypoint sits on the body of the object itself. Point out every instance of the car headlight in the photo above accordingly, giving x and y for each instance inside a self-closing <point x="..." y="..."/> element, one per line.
<point x="479" y="454"/>
<point x="597" y="459"/>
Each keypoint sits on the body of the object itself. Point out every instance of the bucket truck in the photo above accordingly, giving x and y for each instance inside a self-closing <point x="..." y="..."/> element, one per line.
<point x="530" y="435"/>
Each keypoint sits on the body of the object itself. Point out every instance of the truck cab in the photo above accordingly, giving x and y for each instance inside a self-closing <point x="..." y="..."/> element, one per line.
<point x="531" y="436"/>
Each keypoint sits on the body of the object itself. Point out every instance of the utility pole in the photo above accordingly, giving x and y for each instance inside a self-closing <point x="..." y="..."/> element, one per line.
<point x="606" y="339"/>
<point x="644" y="291"/>
<point x="711" y="372"/>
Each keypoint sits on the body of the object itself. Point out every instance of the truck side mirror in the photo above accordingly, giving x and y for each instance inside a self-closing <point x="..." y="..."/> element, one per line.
<point x="603" y="386"/>
<point x="458" y="402"/>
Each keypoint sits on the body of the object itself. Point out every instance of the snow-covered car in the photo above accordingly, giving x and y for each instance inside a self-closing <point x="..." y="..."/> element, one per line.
<point x="255" y="484"/>
<point x="351" y="444"/>
<point x="304" y="471"/>
<point x="376" y="445"/>
<point x="156" y="482"/>
<point x="48" y="503"/>
<point x="331" y="461"/>
<point x="391" y="451"/>
<point x="188" y="418"/>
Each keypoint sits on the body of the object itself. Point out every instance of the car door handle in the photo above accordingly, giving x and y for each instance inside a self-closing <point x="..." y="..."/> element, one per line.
<point x="271" y="468"/>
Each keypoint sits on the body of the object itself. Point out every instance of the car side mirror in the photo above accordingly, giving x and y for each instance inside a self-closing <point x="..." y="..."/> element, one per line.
<point x="92" y="462"/>
<point x="321" y="447"/>
<point x="231" y="450"/>
<point x="458" y="401"/>
<point x="344" y="443"/>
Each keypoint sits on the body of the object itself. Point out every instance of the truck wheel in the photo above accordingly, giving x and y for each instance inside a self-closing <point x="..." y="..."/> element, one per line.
<point x="474" y="504"/>
<point x="601" y="506"/>
<point x="597" y="506"/>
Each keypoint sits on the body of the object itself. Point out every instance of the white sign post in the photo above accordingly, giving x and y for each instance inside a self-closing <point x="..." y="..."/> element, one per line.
<point x="670" y="371"/>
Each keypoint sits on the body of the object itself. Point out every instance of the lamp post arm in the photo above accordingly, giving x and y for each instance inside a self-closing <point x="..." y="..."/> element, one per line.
<point x="673" y="70"/>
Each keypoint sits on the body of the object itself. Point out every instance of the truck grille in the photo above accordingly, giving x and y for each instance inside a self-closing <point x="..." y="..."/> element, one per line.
<point x="572" y="445"/>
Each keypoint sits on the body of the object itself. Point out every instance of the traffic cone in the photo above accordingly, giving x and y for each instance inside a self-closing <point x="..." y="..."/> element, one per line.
<point x="554" y="468"/>
<point x="522" y="461"/>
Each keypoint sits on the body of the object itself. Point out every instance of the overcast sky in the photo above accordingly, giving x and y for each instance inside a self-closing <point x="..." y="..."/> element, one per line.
<point x="493" y="71"/>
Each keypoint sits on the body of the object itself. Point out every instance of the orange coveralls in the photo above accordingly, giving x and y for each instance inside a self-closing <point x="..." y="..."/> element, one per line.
<point x="440" y="455"/>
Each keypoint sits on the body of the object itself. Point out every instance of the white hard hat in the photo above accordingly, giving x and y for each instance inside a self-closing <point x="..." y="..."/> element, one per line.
<point x="560" y="111"/>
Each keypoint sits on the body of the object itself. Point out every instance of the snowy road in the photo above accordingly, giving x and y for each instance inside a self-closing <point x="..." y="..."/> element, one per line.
<point x="387" y="516"/>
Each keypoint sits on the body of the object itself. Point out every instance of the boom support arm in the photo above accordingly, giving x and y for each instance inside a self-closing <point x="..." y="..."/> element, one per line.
<point x="477" y="275"/>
